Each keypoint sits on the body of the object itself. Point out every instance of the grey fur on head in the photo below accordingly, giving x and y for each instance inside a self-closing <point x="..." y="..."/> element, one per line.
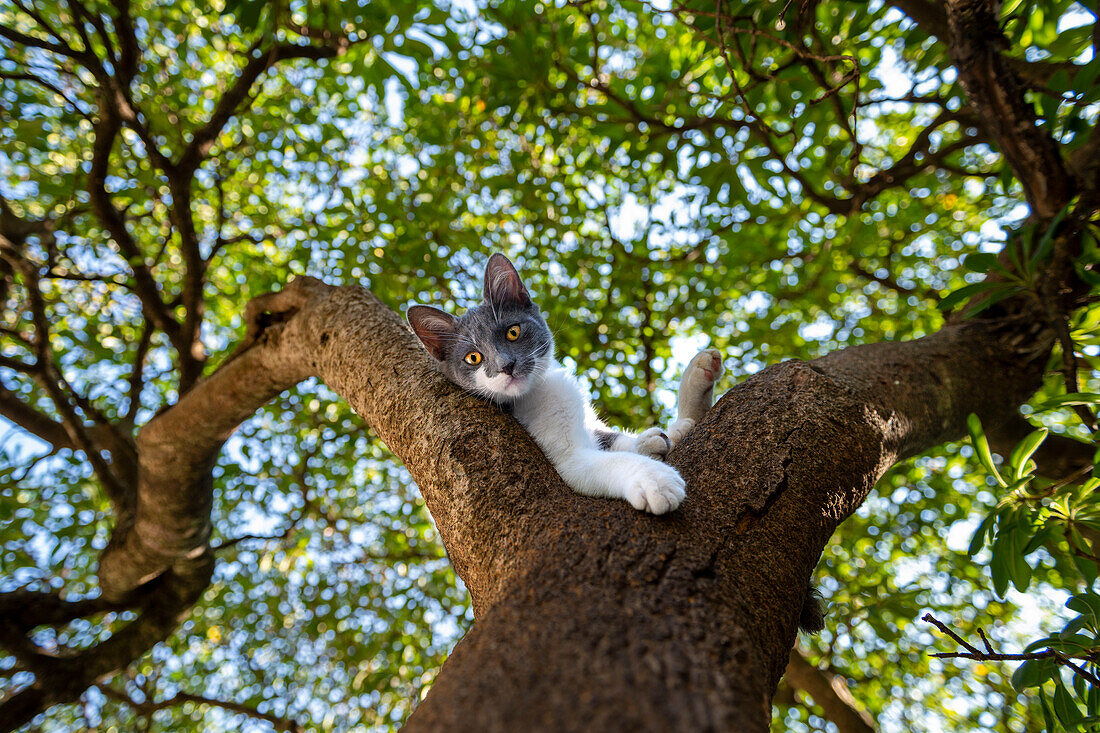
<point x="504" y="367"/>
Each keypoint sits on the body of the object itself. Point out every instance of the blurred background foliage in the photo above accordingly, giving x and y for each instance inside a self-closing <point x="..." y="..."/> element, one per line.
<point x="658" y="196"/>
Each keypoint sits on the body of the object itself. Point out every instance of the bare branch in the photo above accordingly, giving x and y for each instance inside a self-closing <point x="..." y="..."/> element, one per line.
<point x="137" y="379"/>
<point x="145" y="286"/>
<point x="34" y="422"/>
<point x="972" y="652"/>
<point x="26" y="609"/>
<point x="149" y="707"/>
<point x="23" y="39"/>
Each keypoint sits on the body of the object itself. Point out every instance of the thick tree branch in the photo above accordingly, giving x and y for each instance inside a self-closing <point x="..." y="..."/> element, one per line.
<point x="996" y="94"/>
<point x="931" y="16"/>
<point x="830" y="692"/>
<point x="34" y="422"/>
<point x="23" y="610"/>
<point x="171" y="522"/>
<point x="63" y="679"/>
<point x="798" y="445"/>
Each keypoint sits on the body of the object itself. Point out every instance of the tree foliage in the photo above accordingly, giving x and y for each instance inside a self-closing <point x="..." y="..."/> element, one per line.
<point x="777" y="180"/>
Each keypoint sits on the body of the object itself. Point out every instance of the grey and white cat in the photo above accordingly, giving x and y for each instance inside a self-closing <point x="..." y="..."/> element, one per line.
<point x="503" y="350"/>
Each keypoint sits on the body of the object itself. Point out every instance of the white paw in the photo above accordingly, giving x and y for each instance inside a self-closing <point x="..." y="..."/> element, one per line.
<point x="679" y="429"/>
<point x="697" y="385"/>
<point x="653" y="443"/>
<point x="706" y="366"/>
<point x="655" y="488"/>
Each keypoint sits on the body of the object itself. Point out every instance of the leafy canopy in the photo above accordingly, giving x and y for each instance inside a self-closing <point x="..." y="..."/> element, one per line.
<point x="775" y="186"/>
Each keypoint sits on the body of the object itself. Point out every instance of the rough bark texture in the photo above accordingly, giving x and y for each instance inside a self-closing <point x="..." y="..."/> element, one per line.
<point x="693" y="615"/>
<point x="690" y="616"/>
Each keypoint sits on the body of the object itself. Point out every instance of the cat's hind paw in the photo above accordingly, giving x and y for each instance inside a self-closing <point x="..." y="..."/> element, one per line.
<point x="655" y="488"/>
<point x="653" y="443"/>
<point x="697" y="385"/>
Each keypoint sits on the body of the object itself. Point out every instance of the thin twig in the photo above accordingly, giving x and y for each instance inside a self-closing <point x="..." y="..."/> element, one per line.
<point x="994" y="656"/>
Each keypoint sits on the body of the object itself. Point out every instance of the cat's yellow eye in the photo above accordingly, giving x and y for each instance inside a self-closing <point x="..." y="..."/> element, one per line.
<point x="513" y="332"/>
<point x="473" y="358"/>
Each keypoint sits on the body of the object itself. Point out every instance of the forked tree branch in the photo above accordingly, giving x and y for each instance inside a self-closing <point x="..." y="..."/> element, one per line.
<point x="491" y="491"/>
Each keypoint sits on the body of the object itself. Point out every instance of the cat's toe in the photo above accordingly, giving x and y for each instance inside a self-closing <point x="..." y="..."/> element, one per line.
<point x="653" y="443"/>
<point x="636" y="495"/>
<point x="661" y="489"/>
<point x="679" y="429"/>
<point x="697" y="385"/>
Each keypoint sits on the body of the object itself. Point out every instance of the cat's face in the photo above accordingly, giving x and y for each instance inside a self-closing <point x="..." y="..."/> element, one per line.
<point x="498" y="349"/>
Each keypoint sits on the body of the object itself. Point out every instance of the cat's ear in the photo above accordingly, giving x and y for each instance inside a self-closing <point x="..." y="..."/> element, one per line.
<point x="502" y="283"/>
<point x="433" y="327"/>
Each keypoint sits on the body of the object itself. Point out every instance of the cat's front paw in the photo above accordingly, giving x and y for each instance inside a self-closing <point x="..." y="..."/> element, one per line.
<point x="655" y="488"/>
<point x="652" y="443"/>
<point x="679" y="429"/>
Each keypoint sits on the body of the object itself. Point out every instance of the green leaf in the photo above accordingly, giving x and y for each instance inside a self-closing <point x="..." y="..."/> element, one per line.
<point x="1019" y="570"/>
<point x="1033" y="672"/>
<point x="999" y="573"/>
<point x="1088" y="605"/>
<point x="1047" y="242"/>
<point x="1024" y="450"/>
<point x="1067" y="400"/>
<point x="1048" y="713"/>
<point x="981" y="448"/>
<point x="999" y="292"/>
<point x="983" y="262"/>
<point x="1039" y="539"/>
<point x="1065" y="707"/>
<point x="978" y="540"/>
<point x="1087" y="568"/>
<point x="964" y="294"/>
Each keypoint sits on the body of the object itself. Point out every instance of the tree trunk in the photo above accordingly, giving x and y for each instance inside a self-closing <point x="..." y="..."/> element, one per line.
<point x="609" y="619"/>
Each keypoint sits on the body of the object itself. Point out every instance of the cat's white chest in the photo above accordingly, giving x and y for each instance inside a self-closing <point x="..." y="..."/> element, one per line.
<point x="553" y="411"/>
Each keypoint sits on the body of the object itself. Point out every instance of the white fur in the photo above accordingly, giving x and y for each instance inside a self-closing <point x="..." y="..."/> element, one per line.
<point x="501" y="384"/>
<point x="558" y="416"/>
